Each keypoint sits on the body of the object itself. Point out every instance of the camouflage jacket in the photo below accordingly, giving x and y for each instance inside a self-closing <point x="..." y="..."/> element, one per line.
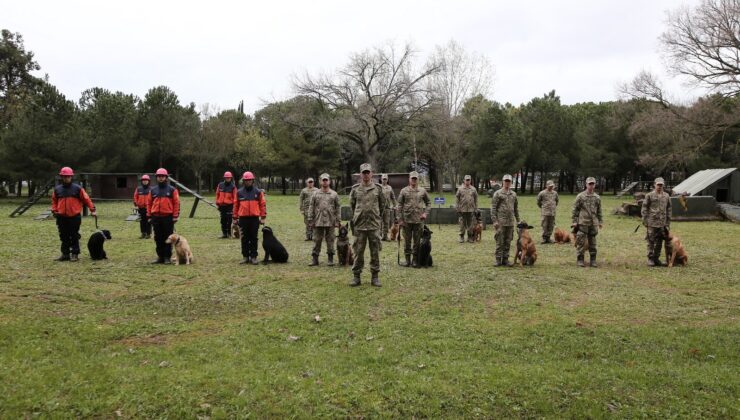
<point x="505" y="208"/>
<point x="390" y="196"/>
<point x="548" y="201"/>
<point x="467" y="199"/>
<point x="323" y="208"/>
<point x="367" y="203"/>
<point x="305" y="197"/>
<point x="587" y="209"/>
<point x="656" y="209"/>
<point x="412" y="203"/>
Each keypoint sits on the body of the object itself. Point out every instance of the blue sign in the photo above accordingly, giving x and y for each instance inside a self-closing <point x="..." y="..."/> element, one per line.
<point x="439" y="200"/>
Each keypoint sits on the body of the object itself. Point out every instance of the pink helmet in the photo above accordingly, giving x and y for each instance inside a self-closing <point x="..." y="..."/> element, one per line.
<point x="248" y="175"/>
<point x="228" y="174"/>
<point x="162" y="171"/>
<point x="66" y="171"/>
<point x="145" y="177"/>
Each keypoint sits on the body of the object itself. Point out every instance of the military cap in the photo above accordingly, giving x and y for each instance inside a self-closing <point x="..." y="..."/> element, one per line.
<point x="414" y="174"/>
<point x="384" y="176"/>
<point x="324" y="176"/>
<point x="309" y="180"/>
<point x="507" y="177"/>
<point x="550" y="183"/>
<point x="590" y="180"/>
<point x="366" y="167"/>
<point x="659" y="181"/>
<point x="467" y="177"/>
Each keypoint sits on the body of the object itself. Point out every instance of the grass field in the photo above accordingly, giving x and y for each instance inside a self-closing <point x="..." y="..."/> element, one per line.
<point x="462" y="339"/>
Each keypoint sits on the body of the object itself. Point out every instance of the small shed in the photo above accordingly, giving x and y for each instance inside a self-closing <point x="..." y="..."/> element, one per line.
<point x="110" y="186"/>
<point x="722" y="184"/>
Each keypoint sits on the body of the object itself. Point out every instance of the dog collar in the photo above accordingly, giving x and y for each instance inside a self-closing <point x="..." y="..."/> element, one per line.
<point x="177" y="241"/>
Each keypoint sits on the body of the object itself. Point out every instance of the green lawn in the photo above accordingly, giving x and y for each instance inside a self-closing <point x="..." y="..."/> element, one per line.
<point x="462" y="339"/>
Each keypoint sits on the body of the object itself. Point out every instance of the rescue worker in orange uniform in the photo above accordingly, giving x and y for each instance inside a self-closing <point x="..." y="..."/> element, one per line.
<point x="67" y="201"/>
<point x="250" y="211"/>
<point x="141" y="195"/>
<point x="225" y="198"/>
<point x="163" y="210"/>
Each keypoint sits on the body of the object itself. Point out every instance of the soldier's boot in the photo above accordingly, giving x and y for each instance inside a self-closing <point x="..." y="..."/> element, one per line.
<point x="143" y="235"/>
<point x="462" y="239"/>
<point x="74" y="257"/>
<point x="385" y="236"/>
<point x="592" y="262"/>
<point x="63" y="257"/>
<point x="331" y="260"/>
<point x="505" y="262"/>
<point x="309" y="237"/>
<point x="408" y="261"/>
<point x="355" y="280"/>
<point x="580" y="262"/>
<point x="498" y="262"/>
<point x="415" y="262"/>
<point x="314" y="260"/>
<point x="650" y="262"/>
<point x="245" y="260"/>
<point x="254" y="261"/>
<point x="375" y="281"/>
<point x="545" y="240"/>
<point x="658" y="263"/>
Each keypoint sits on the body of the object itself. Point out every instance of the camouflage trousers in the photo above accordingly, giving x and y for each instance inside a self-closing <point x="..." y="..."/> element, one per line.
<point x="387" y="222"/>
<point x="548" y="224"/>
<point x="412" y="238"/>
<point x="503" y="236"/>
<point x="309" y="229"/>
<point x="363" y="238"/>
<point x="467" y="222"/>
<point x="321" y="233"/>
<point x="655" y="237"/>
<point x="586" y="237"/>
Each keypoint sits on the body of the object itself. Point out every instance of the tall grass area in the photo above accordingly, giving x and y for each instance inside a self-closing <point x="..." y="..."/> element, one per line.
<point x="462" y="339"/>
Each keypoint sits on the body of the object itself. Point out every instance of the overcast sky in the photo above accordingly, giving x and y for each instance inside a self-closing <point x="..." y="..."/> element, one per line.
<point x="221" y="52"/>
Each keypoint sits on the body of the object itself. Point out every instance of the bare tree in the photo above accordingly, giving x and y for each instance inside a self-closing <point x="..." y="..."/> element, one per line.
<point x="704" y="44"/>
<point x="372" y="98"/>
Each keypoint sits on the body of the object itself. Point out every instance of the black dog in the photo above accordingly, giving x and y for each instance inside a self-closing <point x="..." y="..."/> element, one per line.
<point x="95" y="244"/>
<point x="344" y="250"/>
<point x="273" y="248"/>
<point x="425" y="248"/>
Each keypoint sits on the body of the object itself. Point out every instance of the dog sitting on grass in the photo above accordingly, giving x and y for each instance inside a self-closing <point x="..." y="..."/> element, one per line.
<point x="425" y="248"/>
<point x="678" y="254"/>
<point x="182" y="254"/>
<point x="273" y="248"/>
<point x="344" y="250"/>
<point x="526" y="251"/>
<point x="561" y="236"/>
<point x="394" y="231"/>
<point x="95" y="244"/>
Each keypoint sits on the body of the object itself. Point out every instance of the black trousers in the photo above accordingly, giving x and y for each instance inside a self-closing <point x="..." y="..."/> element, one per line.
<point x="250" y="227"/>
<point x="144" y="225"/>
<point x="226" y="219"/>
<point x="163" y="227"/>
<point x="69" y="233"/>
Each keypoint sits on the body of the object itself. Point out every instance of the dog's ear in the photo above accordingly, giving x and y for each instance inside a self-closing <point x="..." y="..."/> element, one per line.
<point x="530" y="227"/>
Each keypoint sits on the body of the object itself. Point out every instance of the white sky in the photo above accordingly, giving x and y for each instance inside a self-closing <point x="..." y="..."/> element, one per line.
<point x="221" y="52"/>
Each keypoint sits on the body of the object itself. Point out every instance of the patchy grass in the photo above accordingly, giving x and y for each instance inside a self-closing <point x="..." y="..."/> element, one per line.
<point x="462" y="339"/>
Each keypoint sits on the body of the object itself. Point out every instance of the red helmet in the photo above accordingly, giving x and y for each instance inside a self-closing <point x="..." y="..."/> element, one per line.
<point x="248" y="175"/>
<point x="162" y="171"/>
<point x="66" y="171"/>
<point x="145" y="177"/>
<point x="228" y="174"/>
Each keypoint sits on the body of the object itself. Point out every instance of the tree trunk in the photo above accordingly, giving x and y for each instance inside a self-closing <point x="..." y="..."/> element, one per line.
<point x="285" y="186"/>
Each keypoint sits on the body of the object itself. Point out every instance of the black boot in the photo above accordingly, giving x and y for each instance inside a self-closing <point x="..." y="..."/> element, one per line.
<point x="580" y="261"/>
<point x="314" y="260"/>
<point x="375" y="281"/>
<point x="462" y="239"/>
<point x="143" y="235"/>
<point x="497" y="262"/>
<point x="74" y="257"/>
<point x="415" y="262"/>
<point x="355" y="280"/>
<point x="505" y="262"/>
<point x="592" y="262"/>
<point x="650" y="262"/>
<point x="254" y="261"/>
<point x="158" y="261"/>
<point x="244" y="261"/>
<point x="331" y="260"/>
<point x="408" y="261"/>
<point x="63" y="257"/>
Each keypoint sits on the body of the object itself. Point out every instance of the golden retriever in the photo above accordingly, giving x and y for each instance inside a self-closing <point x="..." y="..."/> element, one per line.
<point x="182" y="253"/>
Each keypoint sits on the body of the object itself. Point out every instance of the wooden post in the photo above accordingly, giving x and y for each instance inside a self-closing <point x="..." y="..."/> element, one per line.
<point x="195" y="206"/>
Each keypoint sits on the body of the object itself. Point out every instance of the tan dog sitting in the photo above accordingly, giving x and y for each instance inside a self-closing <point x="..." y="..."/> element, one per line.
<point x="236" y="231"/>
<point x="477" y="232"/>
<point x="678" y="256"/>
<point x="182" y="254"/>
<point x="394" y="231"/>
<point x="526" y="251"/>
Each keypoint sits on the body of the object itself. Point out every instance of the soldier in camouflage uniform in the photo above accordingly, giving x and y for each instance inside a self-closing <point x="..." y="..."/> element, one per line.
<point x="587" y="220"/>
<point x="547" y="201"/>
<point x="505" y="216"/>
<point x="466" y="204"/>
<point x="390" y="205"/>
<point x="656" y="216"/>
<point x="413" y="207"/>
<point x="303" y="200"/>
<point x="367" y="202"/>
<point x="323" y="216"/>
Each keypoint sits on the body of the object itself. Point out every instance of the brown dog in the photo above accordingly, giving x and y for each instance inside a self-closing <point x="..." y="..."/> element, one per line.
<point x="236" y="231"/>
<point x="562" y="236"/>
<point x="394" y="231"/>
<point x="526" y="251"/>
<point x="182" y="254"/>
<point x="678" y="256"/>
<point x="477" y="232"/>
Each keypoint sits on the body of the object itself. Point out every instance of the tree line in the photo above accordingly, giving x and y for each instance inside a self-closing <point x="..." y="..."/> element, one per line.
<point x="385" y="107"/>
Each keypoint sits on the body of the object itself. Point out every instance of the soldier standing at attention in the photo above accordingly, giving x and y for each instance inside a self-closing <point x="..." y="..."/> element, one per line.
<point x="587" y="220"/>
<point x="547" y="201"/>
<point x="250" y="211"/>
<point x="163" y="210"/>
<point x="225" y="197"/>
<point x="505" y="216"/>
<point x="367" y="202"/>
<point x="323" y="217"/>
<point x="413" y="208"/>
<point x="390" y="205"/>
<point x="303" y="200"/>
<point x="67" y="200"/>
<point x="466" y="205"/>
<point x="141" y="195"/>
<point x="656" y="216"/>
